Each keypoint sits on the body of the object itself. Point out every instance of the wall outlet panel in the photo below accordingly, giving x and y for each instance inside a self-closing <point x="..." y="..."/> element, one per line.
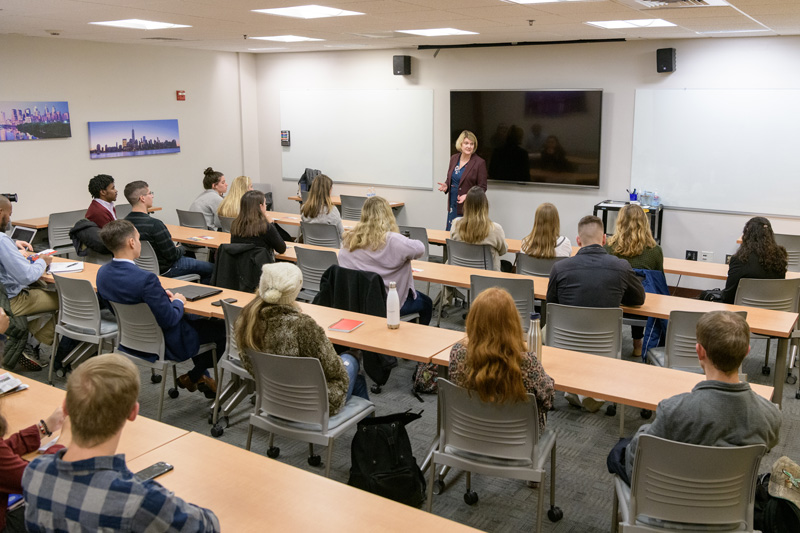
<point x="707" y="256"/>
<point x="691" y="255"/>
<point x="728" y="259"/>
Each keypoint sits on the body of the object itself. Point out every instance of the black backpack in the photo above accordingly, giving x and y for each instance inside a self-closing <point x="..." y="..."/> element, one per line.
<point x="774" y="515"/>
<point x="382" y="460"/>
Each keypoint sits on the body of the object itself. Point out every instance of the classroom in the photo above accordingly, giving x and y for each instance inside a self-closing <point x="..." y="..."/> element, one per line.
<point x="231" y="120"/>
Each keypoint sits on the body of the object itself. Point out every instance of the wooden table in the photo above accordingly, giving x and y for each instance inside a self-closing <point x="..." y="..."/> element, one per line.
<point x="338" y="201"/>
<point x="249" y="492"/>
<point x="42" y="222"/>
<point x="27" y="407"/>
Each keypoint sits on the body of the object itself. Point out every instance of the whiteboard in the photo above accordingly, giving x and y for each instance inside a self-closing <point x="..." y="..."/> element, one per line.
<point x="376" y="137"/>
<point x="719" y="149"/>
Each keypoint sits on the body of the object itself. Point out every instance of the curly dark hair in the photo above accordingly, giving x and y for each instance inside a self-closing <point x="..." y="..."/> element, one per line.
<point x="98" y="183"/>
<point x="758" y="239"/>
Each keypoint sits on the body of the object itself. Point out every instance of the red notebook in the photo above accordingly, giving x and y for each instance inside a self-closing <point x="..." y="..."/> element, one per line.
<point x="346" y="324"/>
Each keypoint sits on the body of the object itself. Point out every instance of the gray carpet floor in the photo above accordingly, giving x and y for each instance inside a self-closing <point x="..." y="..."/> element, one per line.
<point x="583" y="486"/>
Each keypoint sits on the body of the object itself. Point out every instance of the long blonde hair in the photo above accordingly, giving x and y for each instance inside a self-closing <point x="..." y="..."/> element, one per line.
<point x="542" y="240"/>
<point x="318" y="196"/>
<point x="229" y="207"/>
<point x="494" y="351"/>
<point x="632" y="235"/>
<point x="476" y="224"/>
<point x="376" y="221"/>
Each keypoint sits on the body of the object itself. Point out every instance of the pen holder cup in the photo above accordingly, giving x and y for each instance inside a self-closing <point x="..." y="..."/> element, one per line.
<point x="634" y="197"/>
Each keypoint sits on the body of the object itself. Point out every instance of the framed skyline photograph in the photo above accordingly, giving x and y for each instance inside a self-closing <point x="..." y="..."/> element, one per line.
<point x="32" y="121"/>
<point x="131" y="138"/>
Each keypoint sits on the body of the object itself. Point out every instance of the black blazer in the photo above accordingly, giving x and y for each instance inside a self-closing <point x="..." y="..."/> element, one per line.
<point x="751" y="269"/>
<point x="474" y="173"/>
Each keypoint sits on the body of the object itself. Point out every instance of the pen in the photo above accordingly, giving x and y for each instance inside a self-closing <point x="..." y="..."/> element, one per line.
<point x="71" y="265"/>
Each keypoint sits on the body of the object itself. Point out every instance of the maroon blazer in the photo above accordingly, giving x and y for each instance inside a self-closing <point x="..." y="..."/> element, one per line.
<point x="99" y="214"/>
<point x="474" y="173"/>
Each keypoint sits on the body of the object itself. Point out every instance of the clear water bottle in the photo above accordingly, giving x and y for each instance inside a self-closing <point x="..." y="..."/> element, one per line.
<point x="370" y="192"/>
<point x="535" y="335"/>
<point x="392" y="307"/>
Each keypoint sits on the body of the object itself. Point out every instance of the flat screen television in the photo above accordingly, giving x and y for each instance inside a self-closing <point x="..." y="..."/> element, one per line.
<point x="549" y="137"/>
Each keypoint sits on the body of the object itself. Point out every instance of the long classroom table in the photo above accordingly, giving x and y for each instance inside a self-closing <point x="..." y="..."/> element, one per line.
<point x="337" y="200"/>
<point x="43" y="222"/>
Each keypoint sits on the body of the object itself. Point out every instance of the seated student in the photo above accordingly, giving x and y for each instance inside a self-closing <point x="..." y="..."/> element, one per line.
<point x="759" y="256"/>
<point x="633" y="241"/>
<point x="719" y="411"/>
<point x="273" y="323"/>
<point x="229" y="206"/>
<point x="101" y="211"/>
<point x="171" y="261"/>
<point x="18" y="275"/>
<point x="375" y="245"/>
<point x="544" y="241"/>
<point x="318" y="208"/>
<point x="493" y="361"/>
<point x="208" y="201"/>
<point x="475" y="227"/>
<point x="121" y="281"/>
<point x="88" y="487"/>
<point x="253" y="226"/>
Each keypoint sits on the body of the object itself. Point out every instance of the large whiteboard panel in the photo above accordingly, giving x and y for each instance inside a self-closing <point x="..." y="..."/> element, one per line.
<point x="380" y="137"/>
<point x="719" y="149"/>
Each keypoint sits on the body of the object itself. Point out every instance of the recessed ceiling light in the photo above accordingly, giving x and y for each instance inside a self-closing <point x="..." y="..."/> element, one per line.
<point x="627" y="24"/>
<point x="267" y="49"/>
<point x="437" y="32"/>
<point x="138" y="24"/>
<point x="308" y="12"/>
<point x="287" y="38"/>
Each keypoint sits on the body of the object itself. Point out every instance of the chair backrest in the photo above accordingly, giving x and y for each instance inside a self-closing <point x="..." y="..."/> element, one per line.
<point x="191" y="219"/>
<point x="502" y="431"/>
<point x="97" y="258"/>
<point x="122" y="210"/>
<point x="418" y="234"/>
<point x="687" y="483"/>
<point x="351" y="206"/>
<point x="58" y="226"/>
<point x="138" y="329"/>
<point x="291" y="388"/>
<point x="147" y="259"/>
<point x="519" y="289"/>
<point x="594" y="330"/>
<point x="792" y="245"/>
<point x="78" y="308"/>
<point x="266" y="188"/>
<point x="320" y="234"/>
<point x="303" y="197"/>
<point x="469" y="255"/>
<point x="680" y="351"/>
<point x="231" y="313"/>
<point x="774" y="294"/>
<point x="535" y="266"/>
<point x="226" y="222"/>
<point x="314" y="263"/>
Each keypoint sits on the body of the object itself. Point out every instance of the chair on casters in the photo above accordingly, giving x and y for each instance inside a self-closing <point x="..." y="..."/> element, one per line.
<point x="58" y="226"/>
<point x="351" y="206"/>
<point x="79" y="318"/>
<point x="148" y="261"/>
<point x="466" y="255"/>
<point x="521" y="290"/>
<point x="123" y="210"/>
<point x="192" y="219"/>
<point x="292" y="400"/>
<point x="241" y="384"/>
<point x="536" y="266"/>
<point x="226" y="222"/>
<point x="313" y="263"/>
<point x="493" y="440"/>
<point x="320" y="235"/>
<point x="792" y="245"/>
<point x="420" y="234"/>
<point x="774" y="294"/>
<point x="139" y="331"/>
<point x="686" y="487"/>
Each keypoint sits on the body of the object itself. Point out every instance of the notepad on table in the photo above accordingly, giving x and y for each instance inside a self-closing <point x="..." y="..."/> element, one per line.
<point x="65" y="267"/>
<point x="346" y="325"/>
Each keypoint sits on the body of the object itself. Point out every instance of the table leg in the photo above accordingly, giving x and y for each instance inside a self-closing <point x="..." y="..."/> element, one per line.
<point x="780" y="370"/>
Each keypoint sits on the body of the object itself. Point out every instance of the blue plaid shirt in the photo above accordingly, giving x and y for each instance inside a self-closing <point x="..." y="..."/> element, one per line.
<point x="101" y="494"/>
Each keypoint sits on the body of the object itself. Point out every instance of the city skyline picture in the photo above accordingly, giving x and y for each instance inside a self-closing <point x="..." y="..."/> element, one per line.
<point x="128" y="138"/>
<point x="32" y="121"/>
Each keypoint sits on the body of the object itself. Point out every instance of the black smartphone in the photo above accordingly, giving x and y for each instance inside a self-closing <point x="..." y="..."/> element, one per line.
<point x="218" y="303"/>
<point x="153" y="471"/>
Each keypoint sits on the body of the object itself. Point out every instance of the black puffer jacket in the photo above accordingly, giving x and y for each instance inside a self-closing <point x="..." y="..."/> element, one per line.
<point x="85" y="236"/>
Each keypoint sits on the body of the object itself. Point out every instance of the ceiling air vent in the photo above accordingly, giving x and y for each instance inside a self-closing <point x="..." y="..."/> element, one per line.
<point x="161" y="39"/>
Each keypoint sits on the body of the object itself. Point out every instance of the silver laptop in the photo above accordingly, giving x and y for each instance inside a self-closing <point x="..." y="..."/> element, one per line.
<point x="23" y="234"/>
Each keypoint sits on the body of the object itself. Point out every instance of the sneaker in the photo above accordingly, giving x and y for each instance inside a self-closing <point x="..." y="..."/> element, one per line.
<point x="572" y="399"/>
<point x="592" y="405"/>
<point x="26" y="362"/>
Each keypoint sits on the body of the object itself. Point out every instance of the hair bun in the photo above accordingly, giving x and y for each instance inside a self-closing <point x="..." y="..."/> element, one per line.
<point x="208" y="171"/>
<point x="271" y="296"/>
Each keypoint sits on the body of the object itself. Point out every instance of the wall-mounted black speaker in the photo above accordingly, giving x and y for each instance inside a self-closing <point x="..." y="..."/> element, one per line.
<point x="402" y="65"/>
<point x="665" y="60"/>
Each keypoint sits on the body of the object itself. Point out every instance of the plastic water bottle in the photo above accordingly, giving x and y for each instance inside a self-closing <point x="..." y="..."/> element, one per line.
<point x="535" y="335"/>
<point x="370" y="192"/>
<point x="392" y="307"/>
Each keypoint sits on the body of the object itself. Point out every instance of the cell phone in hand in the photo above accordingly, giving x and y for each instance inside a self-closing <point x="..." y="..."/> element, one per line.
<point x="218" y="303"/>
<point x="153" y="471"/>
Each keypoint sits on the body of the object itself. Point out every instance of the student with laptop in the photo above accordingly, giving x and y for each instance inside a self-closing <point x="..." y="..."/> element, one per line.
<point x="121" y="281"/>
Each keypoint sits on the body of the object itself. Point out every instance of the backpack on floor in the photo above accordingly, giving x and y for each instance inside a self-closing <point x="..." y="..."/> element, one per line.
<point x="382" y="460"/>
<point x="424" y="378"/>
<point x="774" y="515"/>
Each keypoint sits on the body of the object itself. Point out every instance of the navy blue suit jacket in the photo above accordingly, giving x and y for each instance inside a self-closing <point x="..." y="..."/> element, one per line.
<point x="125" y="283"/>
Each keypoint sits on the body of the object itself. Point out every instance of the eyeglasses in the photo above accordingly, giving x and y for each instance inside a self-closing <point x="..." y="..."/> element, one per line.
<point x="151" y="193"/>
